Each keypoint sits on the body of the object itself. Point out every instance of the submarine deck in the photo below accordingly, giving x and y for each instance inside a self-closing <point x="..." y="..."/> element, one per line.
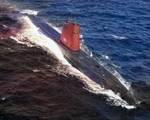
<point x="78" y="59"/>
<point x="84" y="63"/>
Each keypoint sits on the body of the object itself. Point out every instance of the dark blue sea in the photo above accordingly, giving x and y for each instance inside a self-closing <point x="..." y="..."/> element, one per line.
<point x="115" y="32"/>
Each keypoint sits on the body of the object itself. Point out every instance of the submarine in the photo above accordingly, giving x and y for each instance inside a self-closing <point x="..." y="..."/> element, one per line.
<point x="68" y="42"/>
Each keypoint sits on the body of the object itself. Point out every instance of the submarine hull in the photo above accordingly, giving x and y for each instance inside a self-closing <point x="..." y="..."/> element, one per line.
<point x="86" y="64"/>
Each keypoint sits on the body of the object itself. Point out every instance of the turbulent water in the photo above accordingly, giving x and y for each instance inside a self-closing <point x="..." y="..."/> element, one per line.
<point x="37" y="83"/>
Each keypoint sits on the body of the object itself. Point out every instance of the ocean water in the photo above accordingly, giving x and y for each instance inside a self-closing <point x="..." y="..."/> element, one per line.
<point x="114" y="28"/>
<point x="116" y="32"/>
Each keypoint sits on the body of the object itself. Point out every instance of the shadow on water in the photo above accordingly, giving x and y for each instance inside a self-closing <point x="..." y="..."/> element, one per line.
<point x="29" y="87"/>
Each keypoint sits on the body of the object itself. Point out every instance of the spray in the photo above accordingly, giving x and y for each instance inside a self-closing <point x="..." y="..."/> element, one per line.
<point x="31" y="35"/>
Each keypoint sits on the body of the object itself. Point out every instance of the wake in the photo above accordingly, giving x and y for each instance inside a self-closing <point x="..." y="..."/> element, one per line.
<point x="32" y="36"/>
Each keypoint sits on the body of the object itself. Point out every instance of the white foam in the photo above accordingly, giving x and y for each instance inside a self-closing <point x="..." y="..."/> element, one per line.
<point x="36" y="70"/>
<point x="115" y="99"/>
<point x="118" y="37"/>
<point x="31" y="33"/>
<point x="33" y="36"/>
<point x="116" y="66"/>
<point x="58" y="29"/>
<point x="113" y="71"/>
<point x="105" y="56"/>
<point x="30" y="12"/>
<point x="3" y="98"/>
<point x="84" y="47"/>
<point x="126" y="84"/>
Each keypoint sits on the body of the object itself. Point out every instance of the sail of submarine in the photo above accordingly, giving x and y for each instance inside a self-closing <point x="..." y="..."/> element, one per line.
<point x="87" y="65"/>
<point x="68" y="43"/>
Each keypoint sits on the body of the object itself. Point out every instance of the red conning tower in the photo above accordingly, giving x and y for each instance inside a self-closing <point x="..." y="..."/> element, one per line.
<point x="70" y="36"/>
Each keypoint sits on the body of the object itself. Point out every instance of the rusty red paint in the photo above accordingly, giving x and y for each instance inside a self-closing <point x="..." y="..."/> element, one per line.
<point x="70" y="36"/>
